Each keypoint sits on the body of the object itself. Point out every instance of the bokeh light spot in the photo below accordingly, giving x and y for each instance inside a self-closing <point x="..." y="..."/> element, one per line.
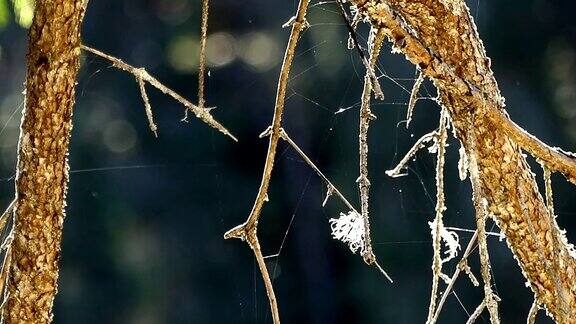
<point x="119" y="136"/>
<point x="260" y="51"/>
<point x="220" y="49"/>
<point x="183" y="53"/>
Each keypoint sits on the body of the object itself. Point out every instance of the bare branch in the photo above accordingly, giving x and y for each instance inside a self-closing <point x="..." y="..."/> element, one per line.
<point x="480" y="204"/>
<point x="140" y="73"/>
<point x="377" y="37"/>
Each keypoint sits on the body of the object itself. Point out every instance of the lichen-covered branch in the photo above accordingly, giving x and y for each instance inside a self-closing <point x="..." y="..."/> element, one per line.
<point x="443" y="42"/>
<point x="42" y="169"/>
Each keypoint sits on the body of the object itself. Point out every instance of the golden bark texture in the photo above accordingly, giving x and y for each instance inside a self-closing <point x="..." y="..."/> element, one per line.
<point x="440" y="37"/>
<point x="42" y="170"/>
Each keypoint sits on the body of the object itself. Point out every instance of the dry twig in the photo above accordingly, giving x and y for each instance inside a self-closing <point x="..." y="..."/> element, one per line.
<point x="437" y="225"/>
<point x="141" y="74"/>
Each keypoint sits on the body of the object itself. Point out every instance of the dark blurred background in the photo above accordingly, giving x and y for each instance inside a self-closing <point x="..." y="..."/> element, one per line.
<point x="143" y="239"/>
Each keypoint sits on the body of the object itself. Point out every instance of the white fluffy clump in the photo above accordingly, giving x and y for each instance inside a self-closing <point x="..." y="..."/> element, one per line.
<point x="450" y="239"/>
<point x="349" y="229"/>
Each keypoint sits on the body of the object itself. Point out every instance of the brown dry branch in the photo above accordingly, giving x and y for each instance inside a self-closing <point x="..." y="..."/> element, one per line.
<point x="141" y="74"/>
<point x="444" y="43"/>
<point x="53" y="61"/>
<point x="248" y="230"/>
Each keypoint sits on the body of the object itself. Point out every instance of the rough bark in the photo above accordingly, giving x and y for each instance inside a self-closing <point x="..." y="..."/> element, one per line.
<point x="441" y="38"/>
<point x="42" y="174"/>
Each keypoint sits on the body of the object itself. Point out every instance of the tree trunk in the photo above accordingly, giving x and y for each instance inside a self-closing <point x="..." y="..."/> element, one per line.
<point x="440" y="37"/>
<point x="42" y="170"/>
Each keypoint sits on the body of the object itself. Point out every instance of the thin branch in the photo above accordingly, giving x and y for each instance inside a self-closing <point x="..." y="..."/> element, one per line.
<point x="396" y="172"/>
<point x="440" y="207"/>
<point x="365" y="117"/>
<point x="255" y="246"/>
<point x="140" y="73"/>
<point x="306" y="159"/>
<point x="414" y="98"/>
<point x="457" y="271"/>
<point x="147" y="106"/>
<point x="476" y="313"/>
<point x="248" y="230"/>
<point x="4" y="272"/>
<point x="202" y="63"/>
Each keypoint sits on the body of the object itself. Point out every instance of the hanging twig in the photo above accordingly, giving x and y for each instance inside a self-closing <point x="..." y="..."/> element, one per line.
<point x="437" y="225"/>
<point x="147" y="106"/>
<point x="377" y="37"/>
<point x="140" y="73"/>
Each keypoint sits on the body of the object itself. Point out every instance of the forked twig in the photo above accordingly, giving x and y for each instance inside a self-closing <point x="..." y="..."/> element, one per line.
<point x="454" y="277"/>
<point x="147" y="106"/>
<point x="140" y="73"/>
<point x="248" y="230"/>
